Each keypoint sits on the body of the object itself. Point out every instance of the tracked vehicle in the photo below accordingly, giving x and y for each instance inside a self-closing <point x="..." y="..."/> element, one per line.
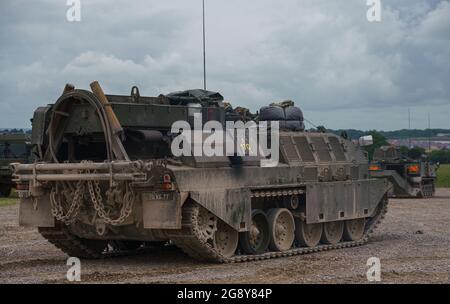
<point x="14" y="147"/>
<point x="106" y="182"/>
<point x="407" y="177"/>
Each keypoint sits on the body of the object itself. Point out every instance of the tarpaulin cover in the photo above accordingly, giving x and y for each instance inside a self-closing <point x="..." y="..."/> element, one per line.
<point x="195" y="96"/>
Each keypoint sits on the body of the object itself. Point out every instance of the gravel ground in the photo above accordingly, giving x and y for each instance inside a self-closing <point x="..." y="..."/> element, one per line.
<point x="413" y="244"/>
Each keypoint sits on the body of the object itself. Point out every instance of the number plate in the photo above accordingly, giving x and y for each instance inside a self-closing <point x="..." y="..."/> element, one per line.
<point x="158" y="196"/>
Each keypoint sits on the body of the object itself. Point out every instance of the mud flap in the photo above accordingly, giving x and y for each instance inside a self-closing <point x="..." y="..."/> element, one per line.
<point x="162" y="211"/>
<point x="232" y="206"/>
<point x="36" y="214"/>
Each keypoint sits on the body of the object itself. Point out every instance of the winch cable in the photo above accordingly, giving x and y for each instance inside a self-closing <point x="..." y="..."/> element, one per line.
<point x="95" y="103"/>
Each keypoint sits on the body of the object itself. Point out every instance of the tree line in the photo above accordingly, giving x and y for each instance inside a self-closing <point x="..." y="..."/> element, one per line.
<point x="15" y="131"/>
<point x="379" y="140"/>
<point x="399" y="134"/>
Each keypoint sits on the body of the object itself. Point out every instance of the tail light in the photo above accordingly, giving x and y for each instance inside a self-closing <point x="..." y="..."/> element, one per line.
<point x="23" y="190"/>
<point x="413" y="169"/>
<point x="22" y="187"/>
<point x="167" y="182"/>
<point x="374" y="168"/>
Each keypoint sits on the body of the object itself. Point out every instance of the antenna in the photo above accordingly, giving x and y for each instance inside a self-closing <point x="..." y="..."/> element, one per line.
<point x="429" y="132"/>
<point x="409" y="127"/>
<point x="204" y="48"/>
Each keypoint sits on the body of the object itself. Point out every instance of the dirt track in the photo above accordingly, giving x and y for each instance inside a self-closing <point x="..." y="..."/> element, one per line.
<point x="413" y="244"/>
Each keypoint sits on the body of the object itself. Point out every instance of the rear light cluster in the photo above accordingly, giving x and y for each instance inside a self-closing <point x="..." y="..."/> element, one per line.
<point x="23" y="190"/>
<point x="374" y="168"/>
<point x="167" y="183"/>
<point x="22" y="187"/>
<point x="413" y="169"/>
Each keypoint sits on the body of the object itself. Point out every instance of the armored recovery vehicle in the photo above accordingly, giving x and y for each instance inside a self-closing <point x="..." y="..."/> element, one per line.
<point x="14" y="147"/>
<point x="106" y="182"/>
<point x="407" y="177"/>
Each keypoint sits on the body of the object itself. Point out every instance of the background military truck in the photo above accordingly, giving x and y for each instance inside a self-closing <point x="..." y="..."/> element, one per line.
<point x="106" y="181"/>
<point x="14" y="147"/>
<point x="407" y="177"/>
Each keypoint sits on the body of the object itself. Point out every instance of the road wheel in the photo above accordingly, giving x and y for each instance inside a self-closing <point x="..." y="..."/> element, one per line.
<point x="307" y="235"/>
<point x="225" y="239"/>
<point x="219" y="235"/>
<point x="354" y="229"/>
<point x="256" y="240"/>
<point x="282" y="229"/>
<point x="332" y="232"/>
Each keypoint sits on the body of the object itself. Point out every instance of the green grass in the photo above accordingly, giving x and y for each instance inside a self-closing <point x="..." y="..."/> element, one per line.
<point x="8" y="201"/>
<point x="443" y="180"/>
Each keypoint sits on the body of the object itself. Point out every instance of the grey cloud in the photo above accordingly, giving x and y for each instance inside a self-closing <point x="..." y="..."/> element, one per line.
<point x="344" y="71"/>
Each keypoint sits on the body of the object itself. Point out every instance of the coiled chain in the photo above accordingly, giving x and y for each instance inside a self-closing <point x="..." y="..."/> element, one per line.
<point x="74" y="208"/>
<point x="127" y="199"/>
<point x="95" y="193"/>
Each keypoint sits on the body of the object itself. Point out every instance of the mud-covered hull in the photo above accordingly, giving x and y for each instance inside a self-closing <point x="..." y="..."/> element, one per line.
<point x="107" y="181"/>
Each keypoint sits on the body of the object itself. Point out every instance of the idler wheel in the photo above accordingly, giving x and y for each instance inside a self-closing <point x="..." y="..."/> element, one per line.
<point x="332" y="232"/>
<point x="307" y="235"/>
<point x="354" y="229"/>
<point x="282" y="228"/>
<point x="256" y="240"/>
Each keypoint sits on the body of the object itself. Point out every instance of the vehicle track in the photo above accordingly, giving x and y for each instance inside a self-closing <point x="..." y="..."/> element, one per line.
<point x="413" y="244"/>
<point x="192" y="243"/>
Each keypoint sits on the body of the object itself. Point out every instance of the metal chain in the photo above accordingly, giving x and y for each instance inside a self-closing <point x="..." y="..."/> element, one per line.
<point x="56" y="203"/>
<point x="95" y="194"/>
<point x="97" y="200"/>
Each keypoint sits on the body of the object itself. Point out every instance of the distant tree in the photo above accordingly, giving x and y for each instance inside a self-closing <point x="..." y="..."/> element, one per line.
<point x="440" y="156"/>
<point x="416" y="153"/>
<point x="404" y="150"/>
<point x="378" y="141"/>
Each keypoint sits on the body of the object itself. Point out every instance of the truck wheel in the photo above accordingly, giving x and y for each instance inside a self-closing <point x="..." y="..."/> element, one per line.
<point x="332" y="232"/>
<point x="307" y="235"/>
<point x="256" y="240"/>
<point x="282" y="229"/>
<point x="354" y="229"/>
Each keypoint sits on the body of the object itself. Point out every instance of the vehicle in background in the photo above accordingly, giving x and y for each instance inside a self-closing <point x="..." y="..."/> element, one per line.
<point x="14" y="148"/>
<point x="407" y="177"/>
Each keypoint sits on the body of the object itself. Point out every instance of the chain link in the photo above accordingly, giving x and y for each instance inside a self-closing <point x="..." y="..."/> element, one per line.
<point x="95" y="193"/>
<point x="74" y="208"/>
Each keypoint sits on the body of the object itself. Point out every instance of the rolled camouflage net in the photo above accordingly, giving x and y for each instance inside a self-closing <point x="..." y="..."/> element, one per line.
<point x="283" y="104"/>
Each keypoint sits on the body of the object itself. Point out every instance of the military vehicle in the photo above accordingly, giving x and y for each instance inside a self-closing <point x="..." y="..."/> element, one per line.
<point x="14" y="147"/>
<point x="407" y="177"/>
<point x="107" y="183"/>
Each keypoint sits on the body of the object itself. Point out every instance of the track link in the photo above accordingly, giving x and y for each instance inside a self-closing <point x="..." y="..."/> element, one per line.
<point x="190" y="240"/>
<point x="73" y="246"/>
<point x="70" y="244"/>
<point x="192" y="243"/>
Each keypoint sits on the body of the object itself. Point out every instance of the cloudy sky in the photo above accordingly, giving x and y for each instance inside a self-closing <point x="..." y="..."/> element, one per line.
<point x="344" y="71"/>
